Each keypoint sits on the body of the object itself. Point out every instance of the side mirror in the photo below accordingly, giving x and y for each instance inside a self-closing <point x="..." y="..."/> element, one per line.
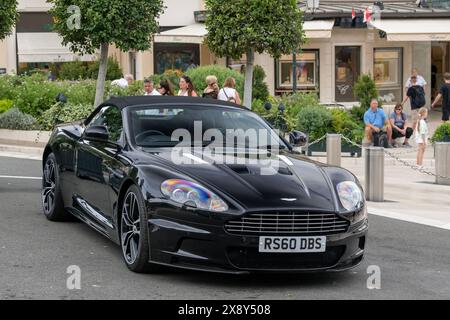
<point x="298" y="138"/>
<point x="99" y="133"/>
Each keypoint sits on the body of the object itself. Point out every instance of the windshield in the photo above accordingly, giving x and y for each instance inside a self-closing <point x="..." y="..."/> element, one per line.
<point x="166" y="126"/>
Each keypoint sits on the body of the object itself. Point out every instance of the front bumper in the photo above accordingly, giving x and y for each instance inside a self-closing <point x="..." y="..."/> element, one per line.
<point x="201" y="243"/>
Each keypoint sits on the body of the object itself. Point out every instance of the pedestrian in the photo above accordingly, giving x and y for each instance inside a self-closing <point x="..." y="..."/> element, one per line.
<point x="444" y="93"/>
<point x="191" y="65"/>
<point x="187" y="87"/>
<point x="376" y="123"/>
<point x="416" y="96"/>
<point x="166" y="88"/>
<point x="48" y="73"/>
<point x="123" y="82"/>
<point x="212" y="89"/>
<point x="421" y="135"/>
<point x="229" y="92"/>
<point x="399" y="126"/>
<point x="420" y="80"/>
<point x="149" y="88"/>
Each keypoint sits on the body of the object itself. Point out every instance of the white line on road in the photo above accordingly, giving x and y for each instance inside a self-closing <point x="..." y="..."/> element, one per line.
<point x="411" y="218"/>
<point x="21" y="177"/>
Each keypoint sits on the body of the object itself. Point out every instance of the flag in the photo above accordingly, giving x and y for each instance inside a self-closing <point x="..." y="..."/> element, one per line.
<point x="367" y="16"/>
<point x="353" y="14"/>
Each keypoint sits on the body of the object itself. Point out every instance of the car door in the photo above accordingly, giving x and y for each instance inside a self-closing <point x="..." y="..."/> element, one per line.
<point x="93" y="167"/>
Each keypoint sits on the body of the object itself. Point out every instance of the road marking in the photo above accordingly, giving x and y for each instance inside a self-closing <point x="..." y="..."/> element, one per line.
<point x="411" y="218"/>
<point x="21" y="177"/>
<point x="20" y="156"/>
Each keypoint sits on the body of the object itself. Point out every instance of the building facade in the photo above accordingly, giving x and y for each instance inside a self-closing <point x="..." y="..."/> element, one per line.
<point x="401" y="36"/>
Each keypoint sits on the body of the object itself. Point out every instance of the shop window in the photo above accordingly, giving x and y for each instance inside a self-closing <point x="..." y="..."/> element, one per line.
<point x="307" y="72"/>
<point x="175" y="56"/>
<point x="348" y="67"/>
<point x="387" y="73"/>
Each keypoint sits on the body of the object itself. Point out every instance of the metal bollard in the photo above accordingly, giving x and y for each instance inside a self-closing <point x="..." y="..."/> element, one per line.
<point x="442" y="156"/>
<point x="374" y="173"/>
<point x="334" y="149"/>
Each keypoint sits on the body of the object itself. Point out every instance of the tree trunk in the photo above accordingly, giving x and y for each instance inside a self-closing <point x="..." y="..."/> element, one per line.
<point x="100" y="89"/>
<point x="249" y="79"/>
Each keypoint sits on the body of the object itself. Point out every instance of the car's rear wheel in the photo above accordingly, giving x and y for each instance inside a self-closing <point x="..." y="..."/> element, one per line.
<point x="52" y="202"/>
<point x="134" y="233"/>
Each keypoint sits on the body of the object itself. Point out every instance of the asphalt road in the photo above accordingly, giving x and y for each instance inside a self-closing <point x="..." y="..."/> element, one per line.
<point x="35" y="253"/>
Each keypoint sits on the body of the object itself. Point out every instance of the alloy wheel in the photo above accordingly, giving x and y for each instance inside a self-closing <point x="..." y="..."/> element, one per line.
<point x="130" y="228"/>
<point x="49" y="186"/>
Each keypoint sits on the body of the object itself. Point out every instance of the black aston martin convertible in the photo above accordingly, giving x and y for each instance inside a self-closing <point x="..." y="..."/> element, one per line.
<point x="202" y="184"/>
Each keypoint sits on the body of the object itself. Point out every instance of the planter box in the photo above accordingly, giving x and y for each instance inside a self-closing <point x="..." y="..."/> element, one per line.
<point x="442" y="158"/>
<point x="345" y="148"/>
<point x="32" y="138"/>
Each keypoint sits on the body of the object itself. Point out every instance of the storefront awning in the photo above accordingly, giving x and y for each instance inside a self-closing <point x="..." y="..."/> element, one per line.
<point x="415" y="30"/>
<point x="193" y="33"/>
<point x="45" y="47"/>
<point x="317" y="29"/>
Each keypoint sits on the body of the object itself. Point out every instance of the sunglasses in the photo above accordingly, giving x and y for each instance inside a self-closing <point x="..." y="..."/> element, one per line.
<point x="398" y="109"/>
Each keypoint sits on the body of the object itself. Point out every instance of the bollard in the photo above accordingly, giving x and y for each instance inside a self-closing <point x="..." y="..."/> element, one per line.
<point x="442" y="156"/>
<point x="334" y="149"/>
<point x="374" y="173"/>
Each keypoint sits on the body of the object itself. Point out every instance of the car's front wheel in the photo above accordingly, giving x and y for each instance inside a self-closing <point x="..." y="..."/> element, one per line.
<point x="134" y="233"/>
<point x="52" y="202"/>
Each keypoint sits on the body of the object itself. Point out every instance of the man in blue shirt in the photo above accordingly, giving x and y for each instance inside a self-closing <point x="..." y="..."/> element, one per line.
<point x="375" y="121"/>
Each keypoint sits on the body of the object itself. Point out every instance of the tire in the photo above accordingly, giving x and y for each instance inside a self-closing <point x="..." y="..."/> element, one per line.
<point x="134" y="234"/>
<point x="51" y="197"/>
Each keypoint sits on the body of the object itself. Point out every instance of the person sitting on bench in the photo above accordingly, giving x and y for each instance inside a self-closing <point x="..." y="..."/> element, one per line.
<point x="376" y="123"/>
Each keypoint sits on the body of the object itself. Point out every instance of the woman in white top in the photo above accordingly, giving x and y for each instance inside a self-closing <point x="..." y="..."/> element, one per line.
<point x="421" y="135"/>
<point x="187" y="87"/>
<point x="229" y="92"/>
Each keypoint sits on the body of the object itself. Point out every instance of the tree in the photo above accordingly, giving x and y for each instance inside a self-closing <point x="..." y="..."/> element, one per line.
<point x="241" y="27"/>
<point x="89" y="25"/>
<point x="8" y="17"/>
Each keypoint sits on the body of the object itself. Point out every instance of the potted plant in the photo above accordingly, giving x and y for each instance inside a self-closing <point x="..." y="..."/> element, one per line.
<point x="441" y="140"/>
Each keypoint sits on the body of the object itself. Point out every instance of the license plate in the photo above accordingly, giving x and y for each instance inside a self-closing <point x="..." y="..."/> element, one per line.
<point x="292" y="244"/>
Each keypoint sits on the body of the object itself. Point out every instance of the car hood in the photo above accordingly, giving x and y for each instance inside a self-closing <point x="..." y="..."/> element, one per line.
<point x="297" y="183"/>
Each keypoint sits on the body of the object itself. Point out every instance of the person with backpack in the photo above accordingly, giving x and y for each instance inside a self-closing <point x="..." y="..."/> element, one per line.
<point x="416" y="96"/>
<point x="377" y="126"/>
<point x="229" y="92"/>
<point x="399" y="125"/>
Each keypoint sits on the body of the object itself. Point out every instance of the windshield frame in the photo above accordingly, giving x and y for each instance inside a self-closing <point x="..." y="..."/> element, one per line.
<point x="130" y="132"/>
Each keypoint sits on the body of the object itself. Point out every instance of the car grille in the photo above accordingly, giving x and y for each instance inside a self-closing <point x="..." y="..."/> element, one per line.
<point x="289" y="223"/>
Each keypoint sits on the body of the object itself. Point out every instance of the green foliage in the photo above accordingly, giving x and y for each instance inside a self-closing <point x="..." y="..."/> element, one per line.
<point x="365" y="90"/>
<point x="113" y="70"/>
<point x="315" y="121"/>
<point x="293" y="104"/>
<point x="34" y="95"/>
<point x="199" y="74"/>
<point x="61" y="113"/>
<point x="357" y="112"/>
<point x="260" y="89"/>
<point x="5" y="105"/>
<point x="234" y="27"/>
<point x="15" y="119"/>
<point x="342" y="122"/>
<point x="442" y="133"/>
<point x="130" y="25"/>
<point x="8" y="17"/>
<point x="74" y="70"/>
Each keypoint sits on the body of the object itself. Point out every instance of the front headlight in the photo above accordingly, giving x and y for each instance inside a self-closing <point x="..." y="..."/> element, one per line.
<point x="350" y="195"/>
<point x="188" y="192"/>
